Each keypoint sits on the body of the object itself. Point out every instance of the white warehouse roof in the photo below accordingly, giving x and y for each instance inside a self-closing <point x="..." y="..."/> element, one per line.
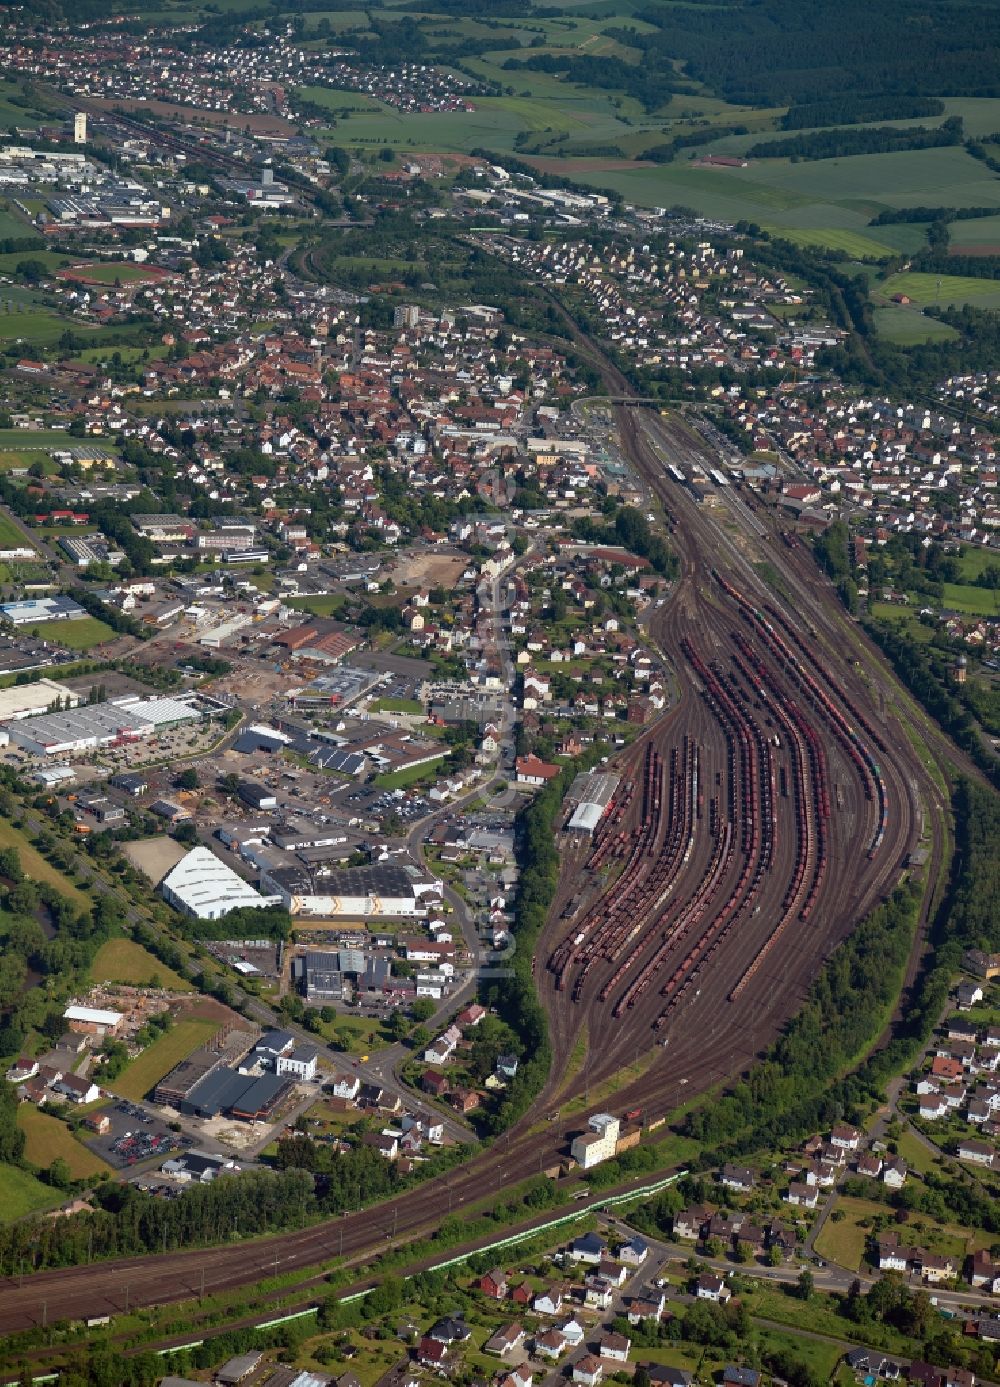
<point x="587" y="817"/>
<point x="92" y="1015"/>
<point x="206" y="888"/>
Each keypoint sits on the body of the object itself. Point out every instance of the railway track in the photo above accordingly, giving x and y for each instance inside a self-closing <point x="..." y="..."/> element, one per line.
<point x="676" y="950"/>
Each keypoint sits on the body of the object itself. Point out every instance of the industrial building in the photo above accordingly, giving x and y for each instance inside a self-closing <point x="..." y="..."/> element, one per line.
<point x="599" y="1143"/>
<point x="253" y="1098"/>
<point x="100" y="724"/>
<point x="319" y="976"/>
<point x="31" y="700"/>
<point x="203" y="886"/>
<point x="92" y="1020"/>
<point x="37" y="609"/>
<point x="87" y="549"/>
<point x="591" y="794"/>
<point x="350" y="892"/>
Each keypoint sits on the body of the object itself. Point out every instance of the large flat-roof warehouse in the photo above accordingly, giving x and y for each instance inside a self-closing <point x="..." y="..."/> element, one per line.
<point x="100" y="724"/>
<point x="351" y="891"/>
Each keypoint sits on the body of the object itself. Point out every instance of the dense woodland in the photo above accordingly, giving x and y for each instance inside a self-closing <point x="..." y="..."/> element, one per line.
<point x="781" y="51"/>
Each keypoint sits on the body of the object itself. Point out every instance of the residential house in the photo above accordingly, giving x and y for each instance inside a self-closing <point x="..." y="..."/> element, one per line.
<point x="709" y="1287"/>
<point x="588" y="1371"/>
<point x="615" y="1347"/>
<point x="506" y="1339"/>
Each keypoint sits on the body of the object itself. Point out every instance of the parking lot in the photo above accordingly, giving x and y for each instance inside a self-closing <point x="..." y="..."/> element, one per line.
<point x="135" y="1137"/>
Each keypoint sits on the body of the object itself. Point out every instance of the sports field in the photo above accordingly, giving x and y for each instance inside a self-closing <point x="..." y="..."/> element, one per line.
<point x="48" y="1138"/>
<point x="122" y="960"/>
<point x="145" y="1072"/>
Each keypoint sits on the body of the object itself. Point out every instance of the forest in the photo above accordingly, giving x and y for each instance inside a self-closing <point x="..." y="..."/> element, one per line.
<point x="782" y="52"/>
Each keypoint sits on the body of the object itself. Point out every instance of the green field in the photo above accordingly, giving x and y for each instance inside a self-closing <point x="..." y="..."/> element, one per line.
<point x="412" y="775"/>
<point x="22" y="1194"/>
<point x="323" y="604"/>
<point x="852" y="243"/>
<point x="397" y="705"/>
<point x="83" y="634"/>
<point x="145" y="1072"/>
<point x="11" y="537"/>
<point x="963" y="597"/>
<point x="49" y="1137"/>
<point x="843" y="1242"/>
<point x="122" y="960"/>
<point x="33" y="326"/>
<point x="978" y="231"/>
<point x="11" y="462"/>
<point x="906" y="326"/>
<point x="20" y="439"/>
<point x="943" y="291"/>
<point x="975" y="561"/>
<point x="107" y="271"/>
<point x="35" y="866"/>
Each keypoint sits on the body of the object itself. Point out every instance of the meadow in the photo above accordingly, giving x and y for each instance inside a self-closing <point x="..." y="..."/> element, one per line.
<point x="49" y="1139"/>
<point x="943" y="291"/>
<point x="908" y="326"/>
<point x="146" y="1071"/>
<point x="22" y="1194"/>
<point x="83" y="634"/>
<point x="11" y="537"/>
<point x="122" y="960"/>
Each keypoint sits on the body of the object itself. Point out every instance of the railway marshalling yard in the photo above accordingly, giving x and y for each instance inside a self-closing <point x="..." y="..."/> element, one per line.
<point x="753" y="825"/>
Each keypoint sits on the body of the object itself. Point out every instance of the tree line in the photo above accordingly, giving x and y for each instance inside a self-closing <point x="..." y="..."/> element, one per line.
<point x="852" y="109"/>
<point x="844" y="142"/>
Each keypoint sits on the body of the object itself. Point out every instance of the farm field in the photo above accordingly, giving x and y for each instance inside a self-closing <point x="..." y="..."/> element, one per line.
<point x="854" y="243"/>
<point x="825" y="195"/>
<point x="943" y="291"/>
<point x="976" y="236"/>
<point x="906" y="326"/>
<point x="122" y="960"/>
<point x="21" y="1194"/>
<point x="49" y="1138"/>
<point x="145" y="1072"/>
<point x="83" y="634"/>
<point x="35" y="866"/>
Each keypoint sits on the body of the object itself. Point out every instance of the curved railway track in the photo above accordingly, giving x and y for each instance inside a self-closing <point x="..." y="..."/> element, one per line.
<point x="755" y="822"/>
